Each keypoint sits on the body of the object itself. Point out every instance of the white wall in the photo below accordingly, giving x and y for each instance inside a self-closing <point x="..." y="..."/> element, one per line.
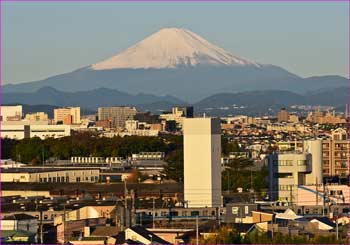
<point x="202" y="167"/>
<point x="10" y="111"/>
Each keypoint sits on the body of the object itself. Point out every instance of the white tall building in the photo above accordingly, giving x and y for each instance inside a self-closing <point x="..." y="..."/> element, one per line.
<point x="202" y="167"/>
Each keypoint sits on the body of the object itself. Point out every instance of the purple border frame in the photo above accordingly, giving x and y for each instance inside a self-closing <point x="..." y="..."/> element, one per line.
<point x="183" y="1"/>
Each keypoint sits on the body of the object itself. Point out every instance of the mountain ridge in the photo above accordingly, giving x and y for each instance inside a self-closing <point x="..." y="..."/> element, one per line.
<point x="194" y="78"/>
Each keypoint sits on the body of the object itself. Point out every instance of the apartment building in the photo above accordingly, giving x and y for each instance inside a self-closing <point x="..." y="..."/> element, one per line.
<point x="283" y="115"/>
<point x="336" y="153"/>
<point x="116" y="114"/>
<point x="67" y="115"/>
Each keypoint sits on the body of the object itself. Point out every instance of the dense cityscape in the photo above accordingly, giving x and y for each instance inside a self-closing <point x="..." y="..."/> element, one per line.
<point x="127" y="176"/>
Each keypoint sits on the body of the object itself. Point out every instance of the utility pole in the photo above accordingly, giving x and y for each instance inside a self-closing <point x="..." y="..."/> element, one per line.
<point x="125" y="205"/>
<point x="273" y="215"/>
<point x="43" y="157"/>
<point x="64" y="224"/>
<point x="41" y="226"/>
<point x="337" y="228"/>
<point x="316" y="191"/>
<point x="197" y="232"/>
<point x="153" y="210"/>
<point x="324" y="198"/>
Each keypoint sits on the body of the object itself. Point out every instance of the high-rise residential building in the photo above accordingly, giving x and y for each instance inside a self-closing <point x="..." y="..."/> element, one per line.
<point x="11" y="113"/>
<point x="36" y="116"/>
<point x="67" y="115"/>
<point x="336" y="154"/>
<point x="202" y="162"/>
<point x="117" y="114"/>
<point x="283" y="115"/>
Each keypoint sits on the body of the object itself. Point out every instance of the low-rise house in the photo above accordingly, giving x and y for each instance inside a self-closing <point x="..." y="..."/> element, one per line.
<point x="140" y="234"/>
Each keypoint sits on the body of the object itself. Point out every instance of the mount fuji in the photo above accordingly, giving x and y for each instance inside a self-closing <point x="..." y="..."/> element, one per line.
<point x="178" y="62"/>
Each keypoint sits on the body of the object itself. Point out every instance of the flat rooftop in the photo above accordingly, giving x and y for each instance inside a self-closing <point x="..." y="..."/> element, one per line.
<point x="41" y="170"/>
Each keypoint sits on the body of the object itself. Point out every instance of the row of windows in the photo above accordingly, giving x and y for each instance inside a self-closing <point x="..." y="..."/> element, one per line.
<point x="65" y="179"/>
<point x="183" y="213"/>
<point x="285" y="187"/>
<point x="289" y="163"/>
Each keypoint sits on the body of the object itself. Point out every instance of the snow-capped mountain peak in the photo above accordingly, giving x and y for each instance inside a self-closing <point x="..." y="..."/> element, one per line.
<point x="172" y="48"/>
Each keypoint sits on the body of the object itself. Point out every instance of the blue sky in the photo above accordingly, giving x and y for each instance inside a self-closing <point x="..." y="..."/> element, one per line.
<point x="43" y="39"/>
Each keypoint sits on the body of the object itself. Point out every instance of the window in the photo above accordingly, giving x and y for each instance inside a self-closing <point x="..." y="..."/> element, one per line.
<point x="235" y="210"/>
<point x="54" y="179"/>
<point x="301" y="162"/>
<point x="49" y="179"/>
<point x="246" y="209"/>
<point x="184" y="213"/>
<point x="194" y="213"/>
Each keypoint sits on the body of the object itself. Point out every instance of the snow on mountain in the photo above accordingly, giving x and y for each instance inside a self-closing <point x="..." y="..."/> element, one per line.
<point x="172" y="48"/>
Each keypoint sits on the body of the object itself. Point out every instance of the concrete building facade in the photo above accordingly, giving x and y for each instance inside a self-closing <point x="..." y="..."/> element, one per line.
<point x="67" y="115"/>
<point x="50" y="175"/>
<point x="11" y="113"/>
<point x="336" y="154"/>
<point x="286" y="172"/>
<point x="117" y="114"/>
<point x="202" y="162"/>
<point x="29" y="130"/>
<point x="37" y="116"/>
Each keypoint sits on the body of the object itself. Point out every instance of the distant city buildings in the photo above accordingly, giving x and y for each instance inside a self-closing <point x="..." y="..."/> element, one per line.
<point x="325" y="117"/>
<point x="67" y="115"/>
<point x="283" y="115"/>
<point x="37" y="116"/>
<point x="116" y="115"/>
<point x="11" y="113"/>
<point x="178" y="114"/>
